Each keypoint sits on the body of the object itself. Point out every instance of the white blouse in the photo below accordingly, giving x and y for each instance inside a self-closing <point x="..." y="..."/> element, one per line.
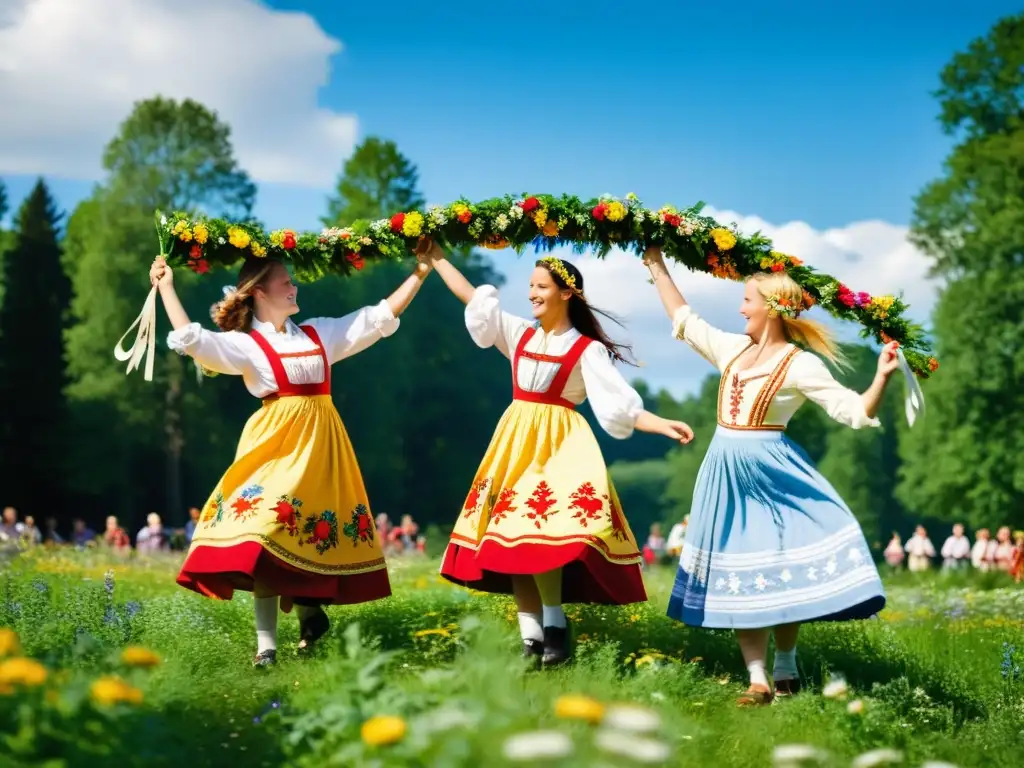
<point x="615" y="403"/>
<point x="767" y="395"/>
<point x="235" y="353"/>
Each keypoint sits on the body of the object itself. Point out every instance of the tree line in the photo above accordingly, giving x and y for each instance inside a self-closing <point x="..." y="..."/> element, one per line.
<point x="80" y="439"/>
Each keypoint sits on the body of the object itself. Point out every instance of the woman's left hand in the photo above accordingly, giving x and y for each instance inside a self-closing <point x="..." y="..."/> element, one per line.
<point x="677" y="430"/>
<point x="888" y="360"/>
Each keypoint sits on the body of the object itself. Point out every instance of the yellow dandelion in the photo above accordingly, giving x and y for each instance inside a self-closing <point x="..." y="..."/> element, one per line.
<point x="238" y="237"/>
<point x="724" y="239"/>
<point x="440" y="631"/>
<point x="137" y="656"/>
<point x="110" y="690"/>
<point x="27" y="672"/>
<point x="573" y="706"/>
<point x="257" y="250"/>
<point x="200" y="233"/>
<point x="615" y="211"/>
<point x="381" y="730"/>
<point x="9" y="645"/>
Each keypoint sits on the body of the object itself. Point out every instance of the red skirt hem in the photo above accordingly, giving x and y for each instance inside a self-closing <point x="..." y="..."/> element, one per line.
<point x="588" y="577"/>
<point x="217" y="572"/>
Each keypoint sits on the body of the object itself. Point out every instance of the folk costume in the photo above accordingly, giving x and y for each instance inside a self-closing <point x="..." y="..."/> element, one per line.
<point x="290" y="516"/>
<point x="542" y="499"/>
<point x="770" y="542"/>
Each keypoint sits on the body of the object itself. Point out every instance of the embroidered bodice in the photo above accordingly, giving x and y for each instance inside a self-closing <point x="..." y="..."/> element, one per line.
<point x="767" y="395"/>
<point x="298" y="353"/>
<point x="593" y="376"/>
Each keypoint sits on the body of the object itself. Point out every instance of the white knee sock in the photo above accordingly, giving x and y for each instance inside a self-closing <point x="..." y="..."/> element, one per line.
<point x="758" y="676"/>
<point x="554" y="616"/>
<point x="549" y="585"/>
<point x="530" y="627"/>
<point x="785" y="665"/>
<point x="266" y="623"/>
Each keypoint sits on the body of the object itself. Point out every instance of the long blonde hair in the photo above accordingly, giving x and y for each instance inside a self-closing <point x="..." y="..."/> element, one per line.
<point x="807" y="333"/>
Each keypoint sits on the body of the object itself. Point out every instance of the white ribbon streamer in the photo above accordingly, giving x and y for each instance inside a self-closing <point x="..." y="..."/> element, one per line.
<point x="914" y="400"/>
<point x="144" y="346"/>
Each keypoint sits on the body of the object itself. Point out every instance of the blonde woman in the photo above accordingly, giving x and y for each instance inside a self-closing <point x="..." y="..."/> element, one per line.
<point x="770" y="543"/>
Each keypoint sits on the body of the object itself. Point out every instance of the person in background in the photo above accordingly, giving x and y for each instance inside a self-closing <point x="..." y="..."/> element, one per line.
<point x="52" y="537"/>
<point x="10" y="528"/>
<point x="421" y="545"/>
<point x="921" y="550"/>
<point x="82" y="534"/>
<point x="408" y="531"/>
<point x="956" y="551"/>
<point x="979" y="552"/>
<point x="894" y="552"/>
<point x="115" y="537"/>
<point x="190" y="526"/>
<point x="1002" y="550"/>
<point x="676" y="536"/>
<point x="654" y="548"/>
<point x="30" y="532"/>
<point x="1017" y="561"/>
<point x="384" y="531"/>
<point x="152" y="538"/>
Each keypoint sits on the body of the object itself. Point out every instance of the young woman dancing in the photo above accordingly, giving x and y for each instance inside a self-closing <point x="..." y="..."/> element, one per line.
<point x="770" y="543"/>
<point x="290" y="518"/>
<point x="542" y="520"/>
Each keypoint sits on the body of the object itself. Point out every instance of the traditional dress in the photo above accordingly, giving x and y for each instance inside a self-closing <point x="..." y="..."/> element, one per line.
<point x="291" y="512"/>
<point x="542" y="498"/>
<point x="770" y="541"/>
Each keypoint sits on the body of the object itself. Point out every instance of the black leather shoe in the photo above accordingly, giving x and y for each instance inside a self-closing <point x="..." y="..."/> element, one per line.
<point x="784" y="688"/>
<point x="556" y="646"/>
<point x="533" y="649"/>
<point x="312" y="629"/>
<point x="265" y="659"/>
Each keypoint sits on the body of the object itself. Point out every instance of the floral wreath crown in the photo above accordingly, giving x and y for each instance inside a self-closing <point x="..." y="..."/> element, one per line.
<point x="555" y="265"/>
<point x="780" y="307"/>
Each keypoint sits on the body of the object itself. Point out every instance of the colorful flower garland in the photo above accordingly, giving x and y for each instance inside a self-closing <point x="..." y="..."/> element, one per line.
<point x="545" y="222"/>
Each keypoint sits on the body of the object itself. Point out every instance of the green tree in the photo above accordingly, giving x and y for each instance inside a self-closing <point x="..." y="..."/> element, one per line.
<point x="4" y="244"/>
<point x="964" y="459"/>
<point x="32" y="358"/>
<point x="167" y="155"/>
<point x="377" y="181"/>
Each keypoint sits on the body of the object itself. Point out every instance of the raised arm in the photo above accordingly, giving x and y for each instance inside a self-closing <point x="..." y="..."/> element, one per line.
<point x="846" y="406"/>
<point x="453" y="278"/>
<point x="162" y="277"/>
<point x="671" y="297"/>
<point x="406" y="292"/>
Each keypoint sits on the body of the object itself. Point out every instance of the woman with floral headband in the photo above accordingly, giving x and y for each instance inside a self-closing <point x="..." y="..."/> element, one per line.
<point x="542" y="520"/>
<point x="290" y="518"/>
<point x="770" y="544"/>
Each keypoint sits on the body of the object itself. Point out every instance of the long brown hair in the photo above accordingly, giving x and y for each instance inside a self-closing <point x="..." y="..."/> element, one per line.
<point x="583" y="315"/>
<point x="235" y="311"/>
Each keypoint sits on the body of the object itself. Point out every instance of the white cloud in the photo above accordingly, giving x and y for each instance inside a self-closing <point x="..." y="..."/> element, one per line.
<point x="70" y="71"/>
<point x="872" y="256"/>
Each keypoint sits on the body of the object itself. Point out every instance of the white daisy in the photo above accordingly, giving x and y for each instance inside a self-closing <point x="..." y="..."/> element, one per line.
<point x="794" y="754"/>
<point x="537" y="745"/>
<point x="878" y="757"/>
<point x="836" y="688"/>
<point x="501" y="222"/>
<point x="515" y="212"/>
<point x="629" y="745"/>
<point x="628" y="717"/>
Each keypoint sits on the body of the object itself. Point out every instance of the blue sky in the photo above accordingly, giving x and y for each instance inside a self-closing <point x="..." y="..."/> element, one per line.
<point x="813" y="122"/>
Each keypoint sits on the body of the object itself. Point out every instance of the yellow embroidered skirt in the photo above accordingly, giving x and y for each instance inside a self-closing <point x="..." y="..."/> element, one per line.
<point x="290" y="513"/>
<point x="542" y="499"/>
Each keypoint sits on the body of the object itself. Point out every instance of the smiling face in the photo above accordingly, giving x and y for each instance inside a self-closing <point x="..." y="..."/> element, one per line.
<point x="547" y="298"/>
<point x="754" y="310"/>
<point x="277" y="295"/>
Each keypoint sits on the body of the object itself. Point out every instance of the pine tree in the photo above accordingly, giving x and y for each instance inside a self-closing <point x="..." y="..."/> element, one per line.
<point x="32" y="369"/>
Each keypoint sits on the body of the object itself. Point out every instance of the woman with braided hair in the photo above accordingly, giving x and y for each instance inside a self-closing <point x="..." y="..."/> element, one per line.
<point x="289" y="520"/>
<point x="542" y="519"/>
<point x="770" y="543"/>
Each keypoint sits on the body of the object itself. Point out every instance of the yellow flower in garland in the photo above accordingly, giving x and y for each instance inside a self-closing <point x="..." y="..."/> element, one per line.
<point x="413" y="224"/>
<point x="540" y="217"/>
<point x="382" y="730"/>
<point x="257" y="250"/>
<point x="724" y="239"/>
<point x="495" y="242"/>
<point x="9" y="645"/>
<point x="238" y="237"/>
<point x="615" y="211"/>
<point x="462" y="213"/>
<point x="276" y="236"/>
<point x="880" y="306"/>
<point x="577" y="707"/>
<point x="185" y="235"/>
<point x="200" y="233"/>
<point x="27" y="672"/>
<point x="550" y="228"/>
<point x="111" y="690"/>
<point x="137" y="656"/>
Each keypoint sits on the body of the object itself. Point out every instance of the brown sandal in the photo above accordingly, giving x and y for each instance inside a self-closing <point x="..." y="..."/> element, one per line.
<point x="756" y="696"/>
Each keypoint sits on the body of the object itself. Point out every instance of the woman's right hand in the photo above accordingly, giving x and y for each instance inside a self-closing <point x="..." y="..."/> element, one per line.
<point x="653" y="255"/>
<point x="160" y="274"/>
<point x="428" y="250"/>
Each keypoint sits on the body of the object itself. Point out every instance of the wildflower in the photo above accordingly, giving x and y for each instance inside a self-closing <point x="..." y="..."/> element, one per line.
<point x="835" y="689"/>
<point x="19" y="671"/>
<point x="382" y="730"/>
<point x="110" y="690"/>
<point x="9" y="645"/>
<point x="877" y="757"/>
<point x="238" y="237"/>
<point x="201" y="233"/>
<point x="724" y="239"/>
<point x="626" y="744"/>
<point x="537" y="745"/>
<point x="137" y="656"/>
<point x="793" y="754"/>
<point x="576" y="707"/>
<point x="108" y="584"/>
<point x="616" y="211"/>
<point x="628" y="717"/>
<point x="427" y="632"/>
<point x="855" y="707"/>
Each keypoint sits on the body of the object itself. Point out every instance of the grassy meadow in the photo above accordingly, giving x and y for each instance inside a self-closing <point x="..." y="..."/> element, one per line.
<point x="108" y="662"/>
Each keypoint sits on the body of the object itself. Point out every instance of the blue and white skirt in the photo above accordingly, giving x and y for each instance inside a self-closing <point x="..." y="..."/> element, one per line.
<point x="770" y="541"/>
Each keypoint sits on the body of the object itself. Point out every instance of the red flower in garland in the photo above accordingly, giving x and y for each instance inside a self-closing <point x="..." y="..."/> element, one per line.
<point x="355" y="260"/>
<point x="288" y="240"/>
<point x="846" y="297"/>
<point x="465" y="216"/>
<point x="600" y="211"/>
<point x="672" y="219"/>
<point x="777" y="267"/>
<point x="933" y="364"/>
<point x="199" y="266"/>
<point x="530" y="204"/>
<point x="195" y="252"/>
<point x="397" y="221"/>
